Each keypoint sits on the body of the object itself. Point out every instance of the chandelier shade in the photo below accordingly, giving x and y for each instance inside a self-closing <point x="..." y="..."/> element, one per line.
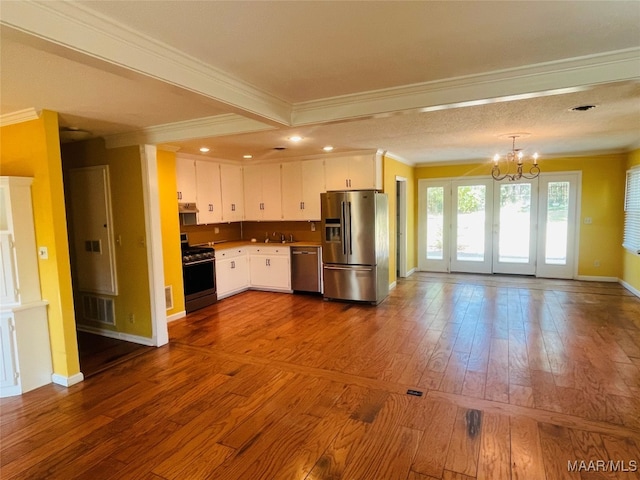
<point x="513" y="166"/>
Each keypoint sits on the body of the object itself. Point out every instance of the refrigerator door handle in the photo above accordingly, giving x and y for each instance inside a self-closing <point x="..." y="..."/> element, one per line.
<point x="344" y="227"/>
<point x="350" y="237"/>
<point x="333" y="267"/>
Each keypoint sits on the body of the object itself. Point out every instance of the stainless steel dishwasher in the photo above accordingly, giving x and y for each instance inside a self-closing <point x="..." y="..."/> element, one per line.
<point x="305" y="269"/>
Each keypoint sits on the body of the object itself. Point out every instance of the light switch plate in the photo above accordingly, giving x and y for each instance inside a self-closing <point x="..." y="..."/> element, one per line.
<point x="43" y="253"/>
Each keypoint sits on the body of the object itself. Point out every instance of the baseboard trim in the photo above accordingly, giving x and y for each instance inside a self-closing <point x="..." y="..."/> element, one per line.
<point x="392" y="285"/>
<point x="176" y="316"/>
<point x="592" y="278"/>
<point x="411" y="272"/>
<point x="118" y="335"/>
<point x="632" y="289"/>
<point x="67" y="381"/>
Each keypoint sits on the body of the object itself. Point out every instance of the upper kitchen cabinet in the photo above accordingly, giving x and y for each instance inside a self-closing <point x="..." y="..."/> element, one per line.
<point x="209" y="192"/>
<point x="354" y="172"/>
<point x="186" y="180"/>
<point x="232" y="193"/>
<point x="302" y="184"/>
<point x="262" y="194"/>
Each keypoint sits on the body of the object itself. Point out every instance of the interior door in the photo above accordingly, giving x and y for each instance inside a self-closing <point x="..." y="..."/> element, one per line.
<point x="515" y="214"/>
<point x="557" y="225"/>
<point x="472" y="218"/>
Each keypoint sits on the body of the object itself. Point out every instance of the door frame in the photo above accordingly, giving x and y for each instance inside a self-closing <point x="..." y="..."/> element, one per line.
<point x="401" y="227"/>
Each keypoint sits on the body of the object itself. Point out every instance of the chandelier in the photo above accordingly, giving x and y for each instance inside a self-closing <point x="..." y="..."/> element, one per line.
<point x="515" y="168"/>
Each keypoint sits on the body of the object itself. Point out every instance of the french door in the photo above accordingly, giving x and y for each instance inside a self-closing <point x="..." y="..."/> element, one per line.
<point x="477" y="225"/>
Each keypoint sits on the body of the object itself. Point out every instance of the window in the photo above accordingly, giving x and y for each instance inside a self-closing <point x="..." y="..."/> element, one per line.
<point x="632" y="211"/>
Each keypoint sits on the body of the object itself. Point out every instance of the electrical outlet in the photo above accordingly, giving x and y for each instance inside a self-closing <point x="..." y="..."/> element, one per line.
<point x="313" y="227"/>
<point x="132" y="318"/>
<point x="216" y="230"/>
<point x="43" y="253"/>
<point x="588" y="220"/>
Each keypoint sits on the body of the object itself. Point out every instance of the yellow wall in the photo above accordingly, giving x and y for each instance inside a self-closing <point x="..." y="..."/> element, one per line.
<point x="32" y="149"/>
<point x="125" y="171"/>
<point x="631" y="262"/>
<point x="391" y="169"/>
<point x="172" y="258"/>
<point x="602" y="199"/>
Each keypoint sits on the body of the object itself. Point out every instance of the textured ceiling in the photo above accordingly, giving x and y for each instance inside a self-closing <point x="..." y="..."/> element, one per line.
<point x="425" y="81"/>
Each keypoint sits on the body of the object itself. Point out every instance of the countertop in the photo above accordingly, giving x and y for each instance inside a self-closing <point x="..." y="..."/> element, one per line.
<point x="245" y="243"/>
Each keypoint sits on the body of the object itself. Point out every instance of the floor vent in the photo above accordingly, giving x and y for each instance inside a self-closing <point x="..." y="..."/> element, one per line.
<point x="98" y="309"/>
<point x="168" y="297"/>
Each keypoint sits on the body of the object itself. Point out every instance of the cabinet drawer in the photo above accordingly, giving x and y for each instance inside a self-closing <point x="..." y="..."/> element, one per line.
<point x="230" y="253"/>
<point x="270" y="250"/>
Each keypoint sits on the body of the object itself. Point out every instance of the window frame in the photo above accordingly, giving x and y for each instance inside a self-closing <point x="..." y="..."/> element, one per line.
<point x="631" y="235"/>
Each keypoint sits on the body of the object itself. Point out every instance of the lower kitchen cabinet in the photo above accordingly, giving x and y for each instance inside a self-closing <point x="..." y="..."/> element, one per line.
<point x="232" y="271"/>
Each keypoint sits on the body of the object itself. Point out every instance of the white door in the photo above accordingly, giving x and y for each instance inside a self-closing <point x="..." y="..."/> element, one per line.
<point x="434" y="231"/>
<point x="515" y="219"/>
<point x="557" y="225"/>
<point x="471" y="242"/>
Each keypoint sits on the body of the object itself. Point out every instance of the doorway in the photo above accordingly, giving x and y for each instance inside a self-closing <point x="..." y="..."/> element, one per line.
<point x="477" y="225"/>
<point x="401" y="226"/>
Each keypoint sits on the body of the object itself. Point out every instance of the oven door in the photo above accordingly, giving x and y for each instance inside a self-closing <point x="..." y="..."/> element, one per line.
<point x="199" y="278"/>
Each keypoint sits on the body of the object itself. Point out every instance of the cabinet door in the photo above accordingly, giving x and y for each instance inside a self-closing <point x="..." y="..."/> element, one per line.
<point x="209" y="192"/>
<point x="232" y="193"/>
<point x="8" y="377"/>
<point x="362" y="172"/>
<point x="292" y="190"/>
<point x="270" y="271"/>
<point x="280" y="272"/>
<point x="186" y="180"/>
<point x="239" y="273"/>
<point x="336" y="173"/>
<point x="8" y="287"/>
<point x="312" y="187"/>
<point x="271" y="192"/>
<point x="253" y="202"/>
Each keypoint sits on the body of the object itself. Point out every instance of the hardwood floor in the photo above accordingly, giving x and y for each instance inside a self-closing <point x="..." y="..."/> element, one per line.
<point x="98" y="353"/>
<point x="513" y="377"/>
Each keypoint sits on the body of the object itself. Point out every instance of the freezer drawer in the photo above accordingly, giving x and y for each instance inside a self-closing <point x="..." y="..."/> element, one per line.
<point x="344" y="282"/>
<point x="305" y="269"/>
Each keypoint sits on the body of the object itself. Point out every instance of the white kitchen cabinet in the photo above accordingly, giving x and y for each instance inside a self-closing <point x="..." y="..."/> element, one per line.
<point x="262" y="192"/>
<point x="270" y="268"/>
<point x="302" y="184"/>
<point x="232" y="271"/>
<point x="232" y="193"/>
<point x="354" y="172"/>
<point x="24" y="332"/>
<point x="209" y="192"/>
<point x="186" y="180"/>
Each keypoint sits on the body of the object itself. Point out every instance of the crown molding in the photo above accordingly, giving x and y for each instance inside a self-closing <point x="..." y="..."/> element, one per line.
<point x="78" y="27"/>
<point x="398" y="158"/>
<point x="19" y="116"/>
<point x="198" y="128"/>
<point x="544" y="79"/>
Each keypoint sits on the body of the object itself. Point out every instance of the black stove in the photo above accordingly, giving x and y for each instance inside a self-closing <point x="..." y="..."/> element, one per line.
<point x="199" y="275"/>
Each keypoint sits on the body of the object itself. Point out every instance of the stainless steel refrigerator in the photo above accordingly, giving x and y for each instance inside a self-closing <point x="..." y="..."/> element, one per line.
<point x="355" y="245"/>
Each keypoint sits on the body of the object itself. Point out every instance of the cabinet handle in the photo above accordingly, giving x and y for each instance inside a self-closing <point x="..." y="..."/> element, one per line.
<point x="301" y="206"/>
<point x="346" y="182"/>
<point x="233" y="264"/>
<point x="233" y="207"/>
<point x="179" y="195"/>
<point x="267" y="262"/>
<point x="211" y="207"/>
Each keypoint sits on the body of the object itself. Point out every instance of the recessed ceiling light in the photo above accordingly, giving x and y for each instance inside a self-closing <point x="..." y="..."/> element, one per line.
<point x="582" y="108"/>
<point x="204" y="149"/>
<point x="328" y="148"/>
<point x="295" y="138"/>
<point x="247" y="156"/>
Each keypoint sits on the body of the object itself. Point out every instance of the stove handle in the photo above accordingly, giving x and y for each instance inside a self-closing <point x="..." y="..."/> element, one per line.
<point x="197" y="262"/>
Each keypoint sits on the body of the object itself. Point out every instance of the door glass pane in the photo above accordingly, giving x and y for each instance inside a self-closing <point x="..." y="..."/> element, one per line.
<point x="435" y="223"/>
<point x="557" y="223"/>
<point x="471" y="223"/>
<point x="515" y="223"/>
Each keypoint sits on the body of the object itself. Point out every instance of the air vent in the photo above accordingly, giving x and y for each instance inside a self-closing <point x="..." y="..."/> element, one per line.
<point x="582" y="108"/>
<point x="98" y="309"/>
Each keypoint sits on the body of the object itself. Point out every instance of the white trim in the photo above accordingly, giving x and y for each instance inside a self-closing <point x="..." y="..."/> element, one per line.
<point x="151" y="198"/>
<point x="531" y="81"/>
<point x="214" y="126"/>
<point x="127" y="337"/>
<point x="19" y="116"/>
<point x="67" y="381"/>
<point x="176" y="316"/>
<point x="392" y="285"/>
<point x="411" y="272"/>
<point x="629" y="287"/>
<point x="398" y="158"/>
<point x="401" y="230"/>
<point x="595" y="278"/>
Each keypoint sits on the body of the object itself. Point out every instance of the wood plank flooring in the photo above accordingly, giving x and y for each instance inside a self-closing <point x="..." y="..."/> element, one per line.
<point x="520" y="378"/>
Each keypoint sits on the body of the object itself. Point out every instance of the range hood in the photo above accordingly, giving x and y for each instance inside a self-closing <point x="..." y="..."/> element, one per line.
<point x="187" y="208"/>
